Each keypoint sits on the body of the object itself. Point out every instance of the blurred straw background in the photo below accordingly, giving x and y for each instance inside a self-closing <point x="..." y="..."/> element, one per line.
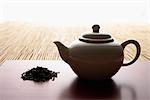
<point x="24" y="41"/>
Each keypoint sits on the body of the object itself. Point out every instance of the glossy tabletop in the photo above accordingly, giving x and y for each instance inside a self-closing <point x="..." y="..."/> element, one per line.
<point x="130" y="83"/>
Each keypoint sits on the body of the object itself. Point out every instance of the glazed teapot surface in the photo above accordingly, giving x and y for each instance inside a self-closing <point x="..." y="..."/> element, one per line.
<point x="96" y="56"/>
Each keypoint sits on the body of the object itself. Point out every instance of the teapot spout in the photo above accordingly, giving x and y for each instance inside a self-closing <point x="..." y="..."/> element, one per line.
<point x="63" y="51"/>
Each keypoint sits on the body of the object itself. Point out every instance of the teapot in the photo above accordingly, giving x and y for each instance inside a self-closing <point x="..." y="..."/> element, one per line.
<point x="96" y="56"/>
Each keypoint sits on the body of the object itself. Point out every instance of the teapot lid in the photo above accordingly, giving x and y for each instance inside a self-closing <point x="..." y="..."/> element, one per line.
<point x="96" y="37"/>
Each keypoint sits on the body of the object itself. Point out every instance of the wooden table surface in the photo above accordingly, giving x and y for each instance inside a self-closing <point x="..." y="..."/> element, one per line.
<point x="25" y="41"/>
<point x="130" y="83"/>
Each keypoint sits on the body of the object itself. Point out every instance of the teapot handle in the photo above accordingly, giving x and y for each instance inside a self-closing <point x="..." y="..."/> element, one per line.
<point x="138" y="50"/>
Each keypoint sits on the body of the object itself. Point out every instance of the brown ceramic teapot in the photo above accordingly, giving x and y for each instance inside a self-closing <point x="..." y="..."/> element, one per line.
<point x="96" y="56"/>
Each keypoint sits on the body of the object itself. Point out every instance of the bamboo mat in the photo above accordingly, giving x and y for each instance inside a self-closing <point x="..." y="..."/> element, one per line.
<point x="23" y="41"/>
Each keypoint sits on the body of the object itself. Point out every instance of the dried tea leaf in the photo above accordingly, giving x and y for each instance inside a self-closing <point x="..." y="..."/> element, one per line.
<point x="39" y="74"/>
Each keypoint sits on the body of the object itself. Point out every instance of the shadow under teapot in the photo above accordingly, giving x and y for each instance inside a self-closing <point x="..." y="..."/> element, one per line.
<point x="82" y="89"/>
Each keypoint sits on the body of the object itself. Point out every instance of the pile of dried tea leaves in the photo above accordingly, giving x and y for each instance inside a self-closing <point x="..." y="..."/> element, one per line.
<point x="39" y="74"/>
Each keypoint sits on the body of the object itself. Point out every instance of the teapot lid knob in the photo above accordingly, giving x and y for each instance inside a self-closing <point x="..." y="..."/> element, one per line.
<point x="95" y="37"/>
<point x="96" y="28"/>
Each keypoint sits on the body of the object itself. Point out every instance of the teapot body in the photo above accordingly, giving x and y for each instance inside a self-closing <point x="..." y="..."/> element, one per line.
<point x="96" y="56"/>
<point x="95" y="61"/>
